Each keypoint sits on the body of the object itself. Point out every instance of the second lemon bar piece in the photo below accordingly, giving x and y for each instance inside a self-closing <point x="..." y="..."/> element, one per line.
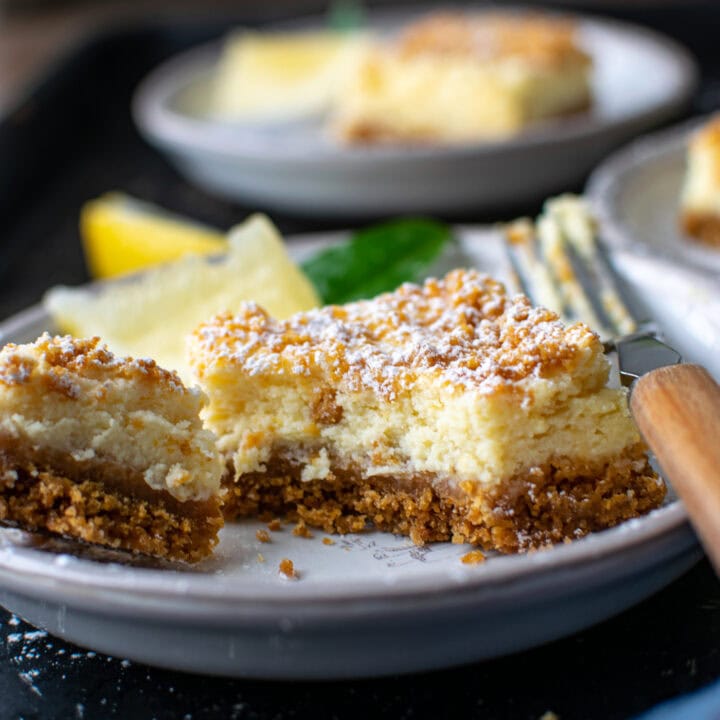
<point x="107" y="450"/>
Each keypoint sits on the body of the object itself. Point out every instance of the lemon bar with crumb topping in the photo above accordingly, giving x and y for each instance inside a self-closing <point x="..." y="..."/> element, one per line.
<point x="447" y="411"/>
<point x="466" y="76"/>
<point x="700" y="201"/>
<point x="106" y="450"/>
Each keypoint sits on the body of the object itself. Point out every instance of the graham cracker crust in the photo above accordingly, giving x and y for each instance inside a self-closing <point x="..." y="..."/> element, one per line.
<point x="86" y="508"/>
<point x="558" y="502"/>
<point x="704" y="227"/>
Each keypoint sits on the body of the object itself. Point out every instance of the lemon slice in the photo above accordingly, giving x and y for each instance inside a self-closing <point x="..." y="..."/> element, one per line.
<point x="150" y="315"/>
<point x="122" y="235"/>
<point x="282" y="76"/>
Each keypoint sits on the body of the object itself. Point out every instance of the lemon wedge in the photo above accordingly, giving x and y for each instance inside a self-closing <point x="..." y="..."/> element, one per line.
<point x="270" y="76"/>
<point x="121" y="235"/>
<point x="150" y="315"/>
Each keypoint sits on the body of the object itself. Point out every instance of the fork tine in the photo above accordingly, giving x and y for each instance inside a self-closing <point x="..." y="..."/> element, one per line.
<point x="531" y="274"/>
<point x="577" y="297"/>
<point x="560" y="265"/>
<point x="580" y="232"/>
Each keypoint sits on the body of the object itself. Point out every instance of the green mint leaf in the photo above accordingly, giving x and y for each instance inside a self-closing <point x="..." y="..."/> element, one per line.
<point x="377" y="259"/>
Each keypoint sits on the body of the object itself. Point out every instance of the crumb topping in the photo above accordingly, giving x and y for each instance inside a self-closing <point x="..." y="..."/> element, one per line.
<point x="60" y="359"/>
<point x="528" y="37"/>
<point x="464" y="330"/>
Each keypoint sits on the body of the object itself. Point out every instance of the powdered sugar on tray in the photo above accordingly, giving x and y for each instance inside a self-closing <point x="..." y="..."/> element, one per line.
<point x="34" y="653"/>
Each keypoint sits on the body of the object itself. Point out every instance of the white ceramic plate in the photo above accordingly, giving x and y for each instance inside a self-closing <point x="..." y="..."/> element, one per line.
<point x="636" y="193"/>
<point x="641" y="78"/>
<point x="371" y="603"/>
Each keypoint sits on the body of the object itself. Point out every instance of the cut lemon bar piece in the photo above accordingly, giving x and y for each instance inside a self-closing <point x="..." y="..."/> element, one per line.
<point x="150" y="316"/>
<point x="121" y="235"/>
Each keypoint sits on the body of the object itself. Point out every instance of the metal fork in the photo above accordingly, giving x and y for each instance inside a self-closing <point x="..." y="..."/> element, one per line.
<point x="559" y="262"/>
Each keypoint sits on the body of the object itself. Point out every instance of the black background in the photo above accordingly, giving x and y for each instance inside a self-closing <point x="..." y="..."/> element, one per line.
<point x="72" y="139"/>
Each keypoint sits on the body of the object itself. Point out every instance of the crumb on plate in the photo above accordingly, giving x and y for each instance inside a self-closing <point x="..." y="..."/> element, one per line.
<point x="474" y="557"/>
<point x="287" y="568"/>
<point x="263" y="536"/>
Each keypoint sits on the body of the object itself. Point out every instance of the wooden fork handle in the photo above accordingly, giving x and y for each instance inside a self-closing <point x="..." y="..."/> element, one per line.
<point x="677" y="409"/>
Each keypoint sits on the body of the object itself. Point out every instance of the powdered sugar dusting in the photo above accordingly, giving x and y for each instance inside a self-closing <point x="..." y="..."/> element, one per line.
<point x="463" y="329"/>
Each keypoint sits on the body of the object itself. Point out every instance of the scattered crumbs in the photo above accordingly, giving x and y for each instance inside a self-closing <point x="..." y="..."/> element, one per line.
<point x="549" y="715"/>
<point x="260" y="558"/>
<point x="301" y="530"/>
<point x="474" y="557"/>
<point x="263" y="536"/>
<point x="274" y="525"/>
<point x="266" y="516"/>
<point x="328" y="541"/>
<point x="287" y="568"/>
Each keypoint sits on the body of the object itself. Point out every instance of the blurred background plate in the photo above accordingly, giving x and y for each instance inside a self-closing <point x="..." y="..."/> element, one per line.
<point x="641" y="79"/>
<point x="636" y="192"/>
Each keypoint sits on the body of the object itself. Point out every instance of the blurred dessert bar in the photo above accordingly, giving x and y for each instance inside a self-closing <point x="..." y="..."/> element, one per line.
<point x="459" y="77"/>
<point x="105" y="450"/>
<point x="282" y="76"/>
<point x="447" y="411"/>
<point x="700" y="201"/>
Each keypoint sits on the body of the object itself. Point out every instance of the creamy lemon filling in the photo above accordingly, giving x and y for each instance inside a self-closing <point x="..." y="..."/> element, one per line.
<point x="455" y="436"/>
